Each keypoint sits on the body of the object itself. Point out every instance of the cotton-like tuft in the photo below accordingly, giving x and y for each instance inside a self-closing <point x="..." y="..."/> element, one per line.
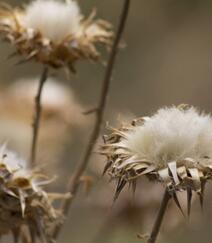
<point x="11" y="159"/>
<point x="174" y="146"/>
<point x="172" y="134"/>
<point x="54" y="19"/>
<point x="59" y="103"/>
<point x="54" y="32"/>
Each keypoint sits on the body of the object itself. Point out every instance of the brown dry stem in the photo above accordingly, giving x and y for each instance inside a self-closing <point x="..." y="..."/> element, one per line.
<point x="37" y="115"/>
<point x="160" y="216"/>
<point x="75" y="179"/>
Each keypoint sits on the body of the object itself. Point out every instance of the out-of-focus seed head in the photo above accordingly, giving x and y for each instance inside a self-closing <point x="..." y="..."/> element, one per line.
<point x="22" y="200"/>
<point x="54" y="32"/>
<point x="174" y="146"/>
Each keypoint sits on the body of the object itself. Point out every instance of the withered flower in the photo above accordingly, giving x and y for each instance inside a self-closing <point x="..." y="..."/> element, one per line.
<point x="59" y="103"/>
<point x="54" y="32"/>
<point x="22" y="200"/>
<point x="174" y="146"/>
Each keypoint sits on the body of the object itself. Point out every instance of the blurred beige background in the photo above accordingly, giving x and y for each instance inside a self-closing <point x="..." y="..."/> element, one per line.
<point x="168" y="60"/>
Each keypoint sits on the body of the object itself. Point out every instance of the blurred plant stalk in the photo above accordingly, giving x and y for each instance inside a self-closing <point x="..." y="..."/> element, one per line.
<point x="37" y="115"/>
<point x="159" y="218"/>
<point x="74" y="182"/>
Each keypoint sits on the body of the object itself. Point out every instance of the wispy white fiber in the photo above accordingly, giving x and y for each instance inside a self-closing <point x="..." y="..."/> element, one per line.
<point x="172" y="134"/>
<point x="55" y="94"/>
<point x="11" y="159"/>
<point x="54" y="19"/>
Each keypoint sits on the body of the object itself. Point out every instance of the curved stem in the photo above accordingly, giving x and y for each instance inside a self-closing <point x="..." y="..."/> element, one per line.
<point x="75" y="179"/>
<point x="37" y="115"/>
<point x="160" y="216"/>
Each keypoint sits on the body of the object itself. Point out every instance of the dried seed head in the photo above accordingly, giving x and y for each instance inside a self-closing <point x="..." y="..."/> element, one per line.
<point x="22" y="201"/>
<point x="58" y="100"/>
<point x="173" y="146"/>
<point x="53" y="32"/>
<point x="59" y="103"/>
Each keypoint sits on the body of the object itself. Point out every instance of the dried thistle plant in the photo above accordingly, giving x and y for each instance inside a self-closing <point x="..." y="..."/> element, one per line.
<point x="54" y="32"/>
<point x="172" y="147"/>
<point x="74" y="183"/>
<point x="23" y="202"/>
<point x="59" y="103"/>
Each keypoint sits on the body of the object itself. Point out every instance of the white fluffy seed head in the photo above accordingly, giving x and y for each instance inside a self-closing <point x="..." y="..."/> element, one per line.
<point x="14" y="163"/>
<point x="54" y="19"/>
<point x="172" y="134"/>
<point x="55" y="95"/>
<point x="11" y="159"/>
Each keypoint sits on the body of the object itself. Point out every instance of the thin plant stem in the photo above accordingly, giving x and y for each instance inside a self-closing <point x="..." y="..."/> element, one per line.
<point x="74" y="182"/>
<point x="160" y="216"/>
<point x="37" y="115"/>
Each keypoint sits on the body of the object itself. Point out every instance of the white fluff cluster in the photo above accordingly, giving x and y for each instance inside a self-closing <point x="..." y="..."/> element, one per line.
<point x="55" y="94"/>
<point x="11" y="160"/>
<point x="54" y="19"/>
<point x="170" y="135"/>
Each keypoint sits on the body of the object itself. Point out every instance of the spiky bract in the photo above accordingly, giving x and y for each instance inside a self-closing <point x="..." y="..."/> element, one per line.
<point x="54" y="33"/>
<point x="22" y="200"/>
<point x="174" y="146"/>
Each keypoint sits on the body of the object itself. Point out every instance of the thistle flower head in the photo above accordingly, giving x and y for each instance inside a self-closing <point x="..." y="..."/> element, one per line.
<point x="173" y="146"/>
<point x="59" y="102"/>
<point x="53" y="32"/>
<point x="22" y="200"/>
